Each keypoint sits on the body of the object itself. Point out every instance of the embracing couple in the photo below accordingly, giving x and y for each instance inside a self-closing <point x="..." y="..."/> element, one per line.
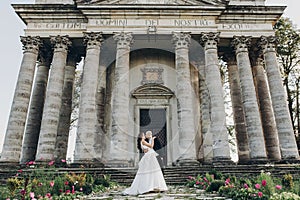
<point x="149" y="176"/>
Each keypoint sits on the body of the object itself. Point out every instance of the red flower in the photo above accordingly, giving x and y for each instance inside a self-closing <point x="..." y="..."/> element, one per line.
<point x="66" y="183"/>
<point x="197" y="182"/>
<point x="246" y="186"/>
<point x="20" y="170"/>
<point x="68" y="191"/>
<point x="23" y="192"/>
<point x="260" y="194"/>
<point x="263" y="182"/>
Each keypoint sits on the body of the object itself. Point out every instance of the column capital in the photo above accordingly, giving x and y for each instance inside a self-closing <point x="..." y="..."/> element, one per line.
<point x="209" y="40"/>
<point x="92" y="39"/>
<point x="268" y="43"/>
<point x="241" y="43"/>
<point x="124" y="40"/>
<point x="60" y="43"/>
<point x="31" y="43"/>
<point x="181" y="39"/>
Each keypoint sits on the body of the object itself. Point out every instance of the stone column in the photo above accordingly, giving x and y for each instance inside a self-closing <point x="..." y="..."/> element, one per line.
<point x="252" y="117"/>
<point x="266" y="110"/>
<point x="11" y="151"/>
<point x="61" y="145"/>
<point x="120" y="102"/>
<point x="87" y="121"/>
<point x="184" y="93"/>
<point x="33" y="126"/>
<point x="218" y="128"/>
<point x="286" y="135"/>
<point x="52" y="106"/>
<point x="238" y="111"/>
<point x="101" y="145"/>
<point x="207" y="143"/>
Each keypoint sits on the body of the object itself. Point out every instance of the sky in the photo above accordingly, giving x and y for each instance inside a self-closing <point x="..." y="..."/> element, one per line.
<point x="12" y="28"/>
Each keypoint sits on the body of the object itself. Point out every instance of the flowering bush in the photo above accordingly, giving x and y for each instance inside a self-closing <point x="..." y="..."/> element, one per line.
<point x="263" y="187"/>
<point x="43" y="182"/>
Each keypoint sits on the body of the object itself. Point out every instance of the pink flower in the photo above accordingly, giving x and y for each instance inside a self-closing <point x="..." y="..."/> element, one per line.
<point x="68" y="191"/>
<point x="260" y="194"/>
<point x="31" y="195"/>
<point x="20" y="170"/>
<point x="227" y="181"/>
<point x="257" y="186"/>
<point x="264" y="183"/>
<point x="197" y="182"/>
<point x="73" y="189"/>
<point x="63" y="160"/>
<point x="246" y="186"/>
<point x="52" y="183"/>
<point x="190" y="177"/>
<point x="80" y="189"/>
<point x="66" y="183"/>
<point x="278" y="187"/>
<point x="40" y="184"/>
<point x="48" y="195"/>
<point x="51" y="163"/>
<point x="8" y="199"/>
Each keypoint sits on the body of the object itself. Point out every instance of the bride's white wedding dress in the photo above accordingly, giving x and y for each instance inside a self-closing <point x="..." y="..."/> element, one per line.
<point x="149" y="176"/>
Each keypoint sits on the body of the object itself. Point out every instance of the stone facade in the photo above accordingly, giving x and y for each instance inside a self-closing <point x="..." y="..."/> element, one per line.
<point x="148" y="65"/>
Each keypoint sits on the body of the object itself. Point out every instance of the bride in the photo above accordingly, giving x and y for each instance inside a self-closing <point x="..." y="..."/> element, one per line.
<point x="149" y="176"/>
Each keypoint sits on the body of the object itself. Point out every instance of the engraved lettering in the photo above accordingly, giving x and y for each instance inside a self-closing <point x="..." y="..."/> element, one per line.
<point x="112" y="22"/>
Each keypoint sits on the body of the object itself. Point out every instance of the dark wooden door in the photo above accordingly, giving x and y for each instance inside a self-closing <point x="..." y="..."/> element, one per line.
<point x="155" y="121"/>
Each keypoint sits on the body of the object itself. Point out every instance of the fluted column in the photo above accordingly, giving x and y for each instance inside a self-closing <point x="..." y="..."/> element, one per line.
<point x="218" y="128"/>
<point x="286" y="135"/>
<point x="120" y="101"/>
<point x="184" y="93"/>
<point x="266" y="110"/>
<point x="34" y="121"/>
<point x="61" y="145"/>
<point x="52" y="106"/>
<point x="87" y="121"/>
<point x="238" y="111"/>
<point x="11" y="151"/>
<point x="253" y="121"/>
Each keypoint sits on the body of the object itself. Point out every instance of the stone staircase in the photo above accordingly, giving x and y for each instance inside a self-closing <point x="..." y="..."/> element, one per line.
<point x="174" y="175"/>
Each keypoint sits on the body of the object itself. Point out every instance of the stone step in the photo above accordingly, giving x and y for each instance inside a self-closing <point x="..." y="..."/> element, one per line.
<point x="173" y="175"/>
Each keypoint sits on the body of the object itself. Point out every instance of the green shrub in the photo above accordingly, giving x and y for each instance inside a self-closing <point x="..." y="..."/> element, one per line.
<point x="215" y="185"/>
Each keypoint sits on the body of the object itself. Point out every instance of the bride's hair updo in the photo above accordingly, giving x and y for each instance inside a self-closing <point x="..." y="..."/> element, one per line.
<point x="139" y="139"/>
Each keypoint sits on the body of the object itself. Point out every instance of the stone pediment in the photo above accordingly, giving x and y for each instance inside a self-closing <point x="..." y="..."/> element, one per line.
<point x="156" y="2"/>
<point x="152" y="90"/>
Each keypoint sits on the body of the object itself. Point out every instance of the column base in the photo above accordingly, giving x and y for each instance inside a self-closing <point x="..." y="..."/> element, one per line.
<point x="10" y="165"/>
<point x="289" y="161"/>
